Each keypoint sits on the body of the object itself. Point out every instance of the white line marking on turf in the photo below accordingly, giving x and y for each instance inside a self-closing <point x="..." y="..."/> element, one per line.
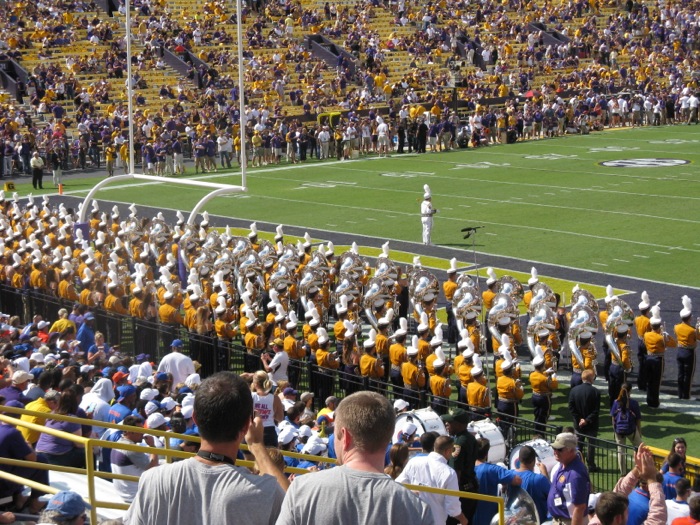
<point x="550" y="193"/>
<point x="641" y="256"/>
<point x="351" y="222"/>
<point x="599" y="264"/>
<point x="662" y="253"/>
<point x="467" y="206"/>
<point x="620" y="260"/>
<point x="489" y="233"/>
<point x="332" y="225"/>
<point x="370" y="219"/>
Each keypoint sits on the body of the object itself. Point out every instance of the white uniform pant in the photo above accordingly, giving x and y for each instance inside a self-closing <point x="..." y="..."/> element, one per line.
<point x="427" y="228"/>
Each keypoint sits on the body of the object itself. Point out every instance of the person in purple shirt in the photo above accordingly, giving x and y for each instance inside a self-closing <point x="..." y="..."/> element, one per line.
<point x="489" y="476"/>
<point x="567" y="501"/>
<point x="13" y="446"/>
<point x="60" y="451"/>
<point x="15" y="392"/>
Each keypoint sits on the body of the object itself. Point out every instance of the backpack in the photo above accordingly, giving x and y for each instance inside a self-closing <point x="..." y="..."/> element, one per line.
<point x="625" y="422"/>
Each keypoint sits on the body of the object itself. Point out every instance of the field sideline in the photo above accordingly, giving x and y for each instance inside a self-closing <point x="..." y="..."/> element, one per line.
<point x="548" y="201"/>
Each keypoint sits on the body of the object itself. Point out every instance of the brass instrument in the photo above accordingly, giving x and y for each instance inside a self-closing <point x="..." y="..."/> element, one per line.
<point x="583" y="297"/>
<point x="510" y="286"/>
<point x="543" y="318"/>
<point x="586" y="320"/>
<point x="376" y="294"/>
<point x="422" y="287"/>
<point x="504" y="306"/>
<point x="466" y="280"/>
<point x="466" y="300"/>
<point x="542" y="294"/>
<point x="351" y="264"/>
<point x="615" y="318"/>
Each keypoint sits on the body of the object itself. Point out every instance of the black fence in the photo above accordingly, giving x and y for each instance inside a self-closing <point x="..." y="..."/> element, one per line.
<point x="136" y="336"/>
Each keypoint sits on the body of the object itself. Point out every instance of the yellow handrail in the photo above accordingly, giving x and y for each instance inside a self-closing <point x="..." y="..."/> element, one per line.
<point x="91" y="473"/>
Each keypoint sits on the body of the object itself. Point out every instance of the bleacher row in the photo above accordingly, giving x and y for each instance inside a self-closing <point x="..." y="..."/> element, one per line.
<point x="403" y="46"/>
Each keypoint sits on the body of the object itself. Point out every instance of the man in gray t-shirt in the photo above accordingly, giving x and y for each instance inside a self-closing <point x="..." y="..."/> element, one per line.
<point x="358" y="491"/>
<point x="209" y="488"/>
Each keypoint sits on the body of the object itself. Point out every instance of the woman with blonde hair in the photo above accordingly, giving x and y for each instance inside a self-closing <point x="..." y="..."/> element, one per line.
<point x="267" y="405"/>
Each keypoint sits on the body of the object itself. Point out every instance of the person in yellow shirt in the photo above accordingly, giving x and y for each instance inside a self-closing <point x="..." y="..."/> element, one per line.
<point x="510" y="392"/>
<point x="440" y="385"/>
<point x="449" y="287"/>
<point x="687" y="336"/>
<point x="463" y="368"/>
<point x="414" y="376"/>
<point x="294" y="348"/>
<point x="478" y="393"/>
<point x="46" y="405"/>
<point x="382" y="344"/>
<point x="656" y="341"/>
<point x="370" y="366"/>
<point x="619" y="367"/>
<point x="642" y="325"/>
<point x="397" y="354"/>
<point x="543" y="382"/>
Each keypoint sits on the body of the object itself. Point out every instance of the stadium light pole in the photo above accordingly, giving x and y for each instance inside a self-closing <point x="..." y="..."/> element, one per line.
<point x="241" y="96"/>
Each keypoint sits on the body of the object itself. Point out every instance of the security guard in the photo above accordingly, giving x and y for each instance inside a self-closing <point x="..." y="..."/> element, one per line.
<point x="544" y="382"/>
<point x="463" y="458"/>
<point x="687" y="336"/>
<point x="656" y="342"/>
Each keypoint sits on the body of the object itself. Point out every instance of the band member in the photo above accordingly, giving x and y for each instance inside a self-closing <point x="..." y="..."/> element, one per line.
<point x="544" y="382"/>
<point x="478" y="392"/>
<point x="642" y="326"/>
<point x="619" y="367"/>
<point x="656" y="342"/>
<point x="426" y="214"/>
<point x="449" y="287"/>
<point x="687" y="336"/>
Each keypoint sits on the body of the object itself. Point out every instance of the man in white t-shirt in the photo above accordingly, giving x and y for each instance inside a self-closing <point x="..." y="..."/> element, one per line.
<point x="383" y="138"/>
<point x="276" y="365"/>
<point x="678" y="506"/>
<point x="177" y="364"/>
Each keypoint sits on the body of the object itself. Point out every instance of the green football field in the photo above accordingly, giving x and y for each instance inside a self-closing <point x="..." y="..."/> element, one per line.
<point x="553" y="201"/>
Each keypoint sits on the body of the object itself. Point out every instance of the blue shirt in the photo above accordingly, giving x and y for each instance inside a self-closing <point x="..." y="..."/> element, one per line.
<point x="489" y="477"/>
<point x="117" y="413"/>
<point x="571" y="486"/>
<point x="638" y="506"/>
<point x="86" y="336"/>
<point x="537" y="486"/>
<point x="669" y="484"/>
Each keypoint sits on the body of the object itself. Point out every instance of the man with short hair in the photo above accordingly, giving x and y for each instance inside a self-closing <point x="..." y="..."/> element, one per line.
<point x="489" y="476"/>
<point x="567" y="501"/>
<point x="536" y="484"/>
<point x="277" y="364"/>
<point x="364" y="422"/>
<point x="130" y="462"/>
<point x="432" y="470"/>
<point x="678" y="507"/>
<point x="209" y="488"/>
<point x="46" y="404"/>
<point x="584" y="406"/>
<point x="673" y="475"/>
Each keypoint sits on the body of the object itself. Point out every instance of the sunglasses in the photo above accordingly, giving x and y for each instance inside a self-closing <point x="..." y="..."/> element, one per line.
<point x="679" y="440"/>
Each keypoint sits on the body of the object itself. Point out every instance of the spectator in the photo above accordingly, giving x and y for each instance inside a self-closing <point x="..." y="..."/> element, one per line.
<point x="209" y="488"/>
<point x="678" y="507"/>
<point x="567" y="501"/>
<point x="130" y="462"/>
<point x="536" y="484"/>
<point x="176" y="363"/>
<point x="398" y="456"/>
<point x="364" y="422"/>
<point x="627" y="423"/>
<point x="679" y="447"/>
<point x="13" y="446"/>
<point x="46" y="404"/>
<point x="672" y="475"/>
<point x="268" y="407"/>
<point x="612" y="507"/>
<point x="694" y="516"/>
<point x="464" y="457"/>
<point x="432" y="470"/>
<point x="64" y="508"/>
<point x="60" y="451"/>
<point x="15" y="392"/>
<point x="489" y="476"/>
